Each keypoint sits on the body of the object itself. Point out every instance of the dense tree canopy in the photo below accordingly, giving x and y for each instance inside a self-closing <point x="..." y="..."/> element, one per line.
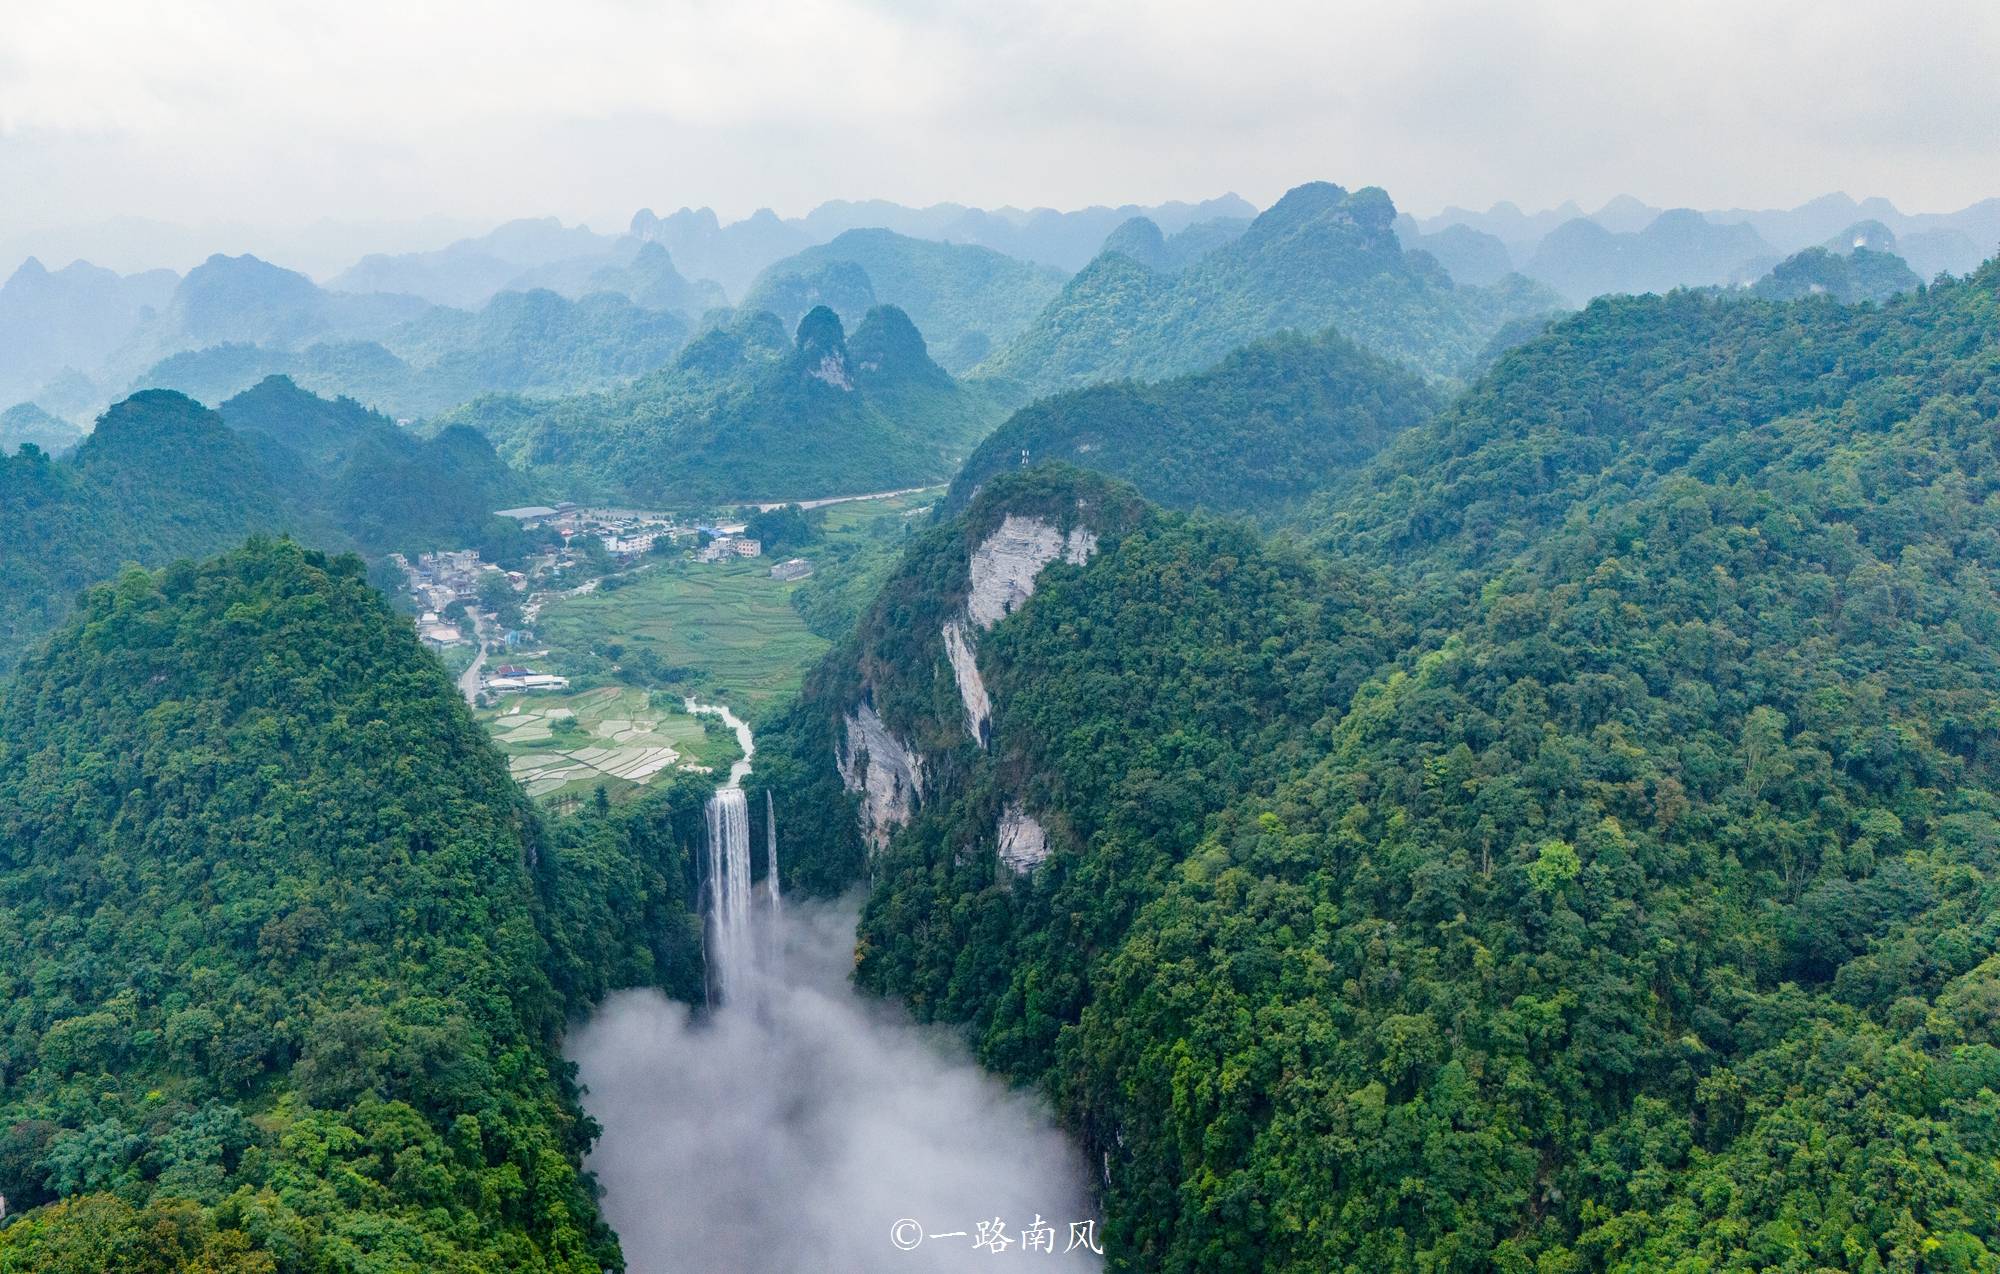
<point x="1268" y="426"/>
<point x="283" y="951"/>
<point x="1582" y="857"/>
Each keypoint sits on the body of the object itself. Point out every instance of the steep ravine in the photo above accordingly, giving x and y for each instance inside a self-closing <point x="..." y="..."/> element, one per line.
<point x="803" y="1126"/>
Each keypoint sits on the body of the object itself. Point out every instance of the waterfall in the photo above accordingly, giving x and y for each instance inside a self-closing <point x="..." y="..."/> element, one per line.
<point x="730" y="951"/>
<point x="771" y="852"/>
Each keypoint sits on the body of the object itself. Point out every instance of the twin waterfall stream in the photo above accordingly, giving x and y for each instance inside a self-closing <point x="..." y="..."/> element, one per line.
<point x="794" y="1123"/>
<point x="733" y="952"/>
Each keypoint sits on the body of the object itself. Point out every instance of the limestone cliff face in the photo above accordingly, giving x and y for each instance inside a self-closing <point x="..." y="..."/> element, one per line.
<point x="971" y="686"/>
<point x="1002" y="574"/>
<point x="900" y="741"/>
<point x="887" y="775"/>
<point x="1005" y="564"/>
<point x="1024" y="842"/>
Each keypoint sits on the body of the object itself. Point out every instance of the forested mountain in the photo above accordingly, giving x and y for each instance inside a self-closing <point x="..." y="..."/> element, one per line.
<point x="162" y="477"/>
<point x="1268" y="426"/>
<point x="747" y="413"/>
<point x="1579" y="853"/>
<point x="644" y="274"/>
<point x="285" y="954"/>
<point x="1319" y="257"/>
<point x="1468" y="255"/>
<point x="25" y="423"/>
<point x="965" y="300"/>
<point x="535" y="343"/>
<point x="1142" y="240"/>
<point x="1865" y="274"/>
<point x="107" y="332"/>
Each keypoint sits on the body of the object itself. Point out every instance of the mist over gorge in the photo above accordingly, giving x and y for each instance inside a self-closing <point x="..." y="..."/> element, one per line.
<point x="797" y="1133"/>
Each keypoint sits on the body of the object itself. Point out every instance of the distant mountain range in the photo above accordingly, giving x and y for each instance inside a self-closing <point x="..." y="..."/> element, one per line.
<point x="416" y="334"/>
<point x="26" y="424"/>
<point x="234" y="320"/>
<point x="1320" y="257"/>
<point x="734" y="254"/>
<point x="1630" y="246"/>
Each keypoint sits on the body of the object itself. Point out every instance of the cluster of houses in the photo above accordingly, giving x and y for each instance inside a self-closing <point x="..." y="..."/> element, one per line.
<point x="728" y="544"/>
<point x="437" y="580"/>
<point x="624" y="532"/>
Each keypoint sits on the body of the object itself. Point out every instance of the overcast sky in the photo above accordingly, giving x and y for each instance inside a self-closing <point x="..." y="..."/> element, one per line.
<point x="273" y="113"/>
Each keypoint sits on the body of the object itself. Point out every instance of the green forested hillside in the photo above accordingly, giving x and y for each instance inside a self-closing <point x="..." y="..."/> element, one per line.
<point x="286" y="952"/>
<point x="965" y="299"/>
<point x="1269" y="425"/>
<point x="1584" y="859"/>
<point x="746" y="413"/>
<point x="1319" y="257"/>
<point x="1864" y="274"/>
<point x="163" y="477"/>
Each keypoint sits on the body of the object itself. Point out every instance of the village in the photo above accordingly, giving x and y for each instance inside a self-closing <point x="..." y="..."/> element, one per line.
<point x="464" y="602"/>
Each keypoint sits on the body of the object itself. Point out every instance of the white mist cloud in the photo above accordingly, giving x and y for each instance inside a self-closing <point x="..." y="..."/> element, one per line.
<point x="796" y="1134"/>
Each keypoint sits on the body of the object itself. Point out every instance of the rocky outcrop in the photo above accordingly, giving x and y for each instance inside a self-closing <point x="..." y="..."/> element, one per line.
<point x="888" y="777"/>
<point x="832" y="369"/>
<point x="971" y="686"/>
<point x="1005" y="564"/>
<point x="1023" y="841"/>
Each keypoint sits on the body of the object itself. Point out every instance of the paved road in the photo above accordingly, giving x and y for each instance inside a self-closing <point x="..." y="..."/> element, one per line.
<point x="468" y="681"/>
<point x="767" y="506"/>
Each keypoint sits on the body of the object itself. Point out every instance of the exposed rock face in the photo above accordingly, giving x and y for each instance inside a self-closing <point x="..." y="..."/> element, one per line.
<point x="1005" y="564"/>
<point x="887" y="775"/>
<point x="971" y="687"/>
<point x="833" y="370"/>
<point x="1023" y="841"/>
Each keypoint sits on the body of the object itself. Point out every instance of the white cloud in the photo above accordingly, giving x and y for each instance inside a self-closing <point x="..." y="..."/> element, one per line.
<point x="278" y="112"/>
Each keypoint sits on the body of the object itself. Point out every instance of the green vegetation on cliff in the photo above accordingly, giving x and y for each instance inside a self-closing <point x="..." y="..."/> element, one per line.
<point x="286" y="954"/>
<point x="1581" y="854"/>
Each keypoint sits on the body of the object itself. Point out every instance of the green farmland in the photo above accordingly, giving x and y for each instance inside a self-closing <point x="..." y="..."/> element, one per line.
<point x="723" y="633"/>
